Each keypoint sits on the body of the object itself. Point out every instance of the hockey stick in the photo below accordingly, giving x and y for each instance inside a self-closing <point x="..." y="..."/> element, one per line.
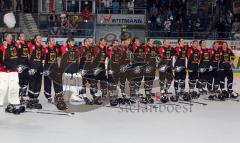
<point x="196" y="102"/>
<point x="48" y="112"/>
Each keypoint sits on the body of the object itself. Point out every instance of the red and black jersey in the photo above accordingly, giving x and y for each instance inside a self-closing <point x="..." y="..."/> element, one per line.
<point x="99" y="54"/>
<point x="23" y="52"/>
<point x="226" y="58"/>
<point x="216" y="57"/>
<point x="51" y="57"/>
<point x="37" y="54"/>
<point x="181" y="55"/>
<point x="194" y="56"/>
<point x="206" y="55"/>
<point x="86" y="57"/>
<point x="71" y="59"/>
<point x="2" y="67"/>
<point x="150" y="53"/>
<point x="138" y="53"/>
<point x="166" y="54"/>
<point x="10" y="56"/>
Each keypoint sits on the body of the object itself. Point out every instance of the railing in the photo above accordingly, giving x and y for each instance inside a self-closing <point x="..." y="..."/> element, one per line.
<point x="78" y="28"/>
<point x="121" y="11"/>
<point x="192" y="35"/>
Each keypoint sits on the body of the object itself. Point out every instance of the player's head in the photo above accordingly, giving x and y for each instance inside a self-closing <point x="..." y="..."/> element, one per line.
<point x="8" y="38"/>
<point x="136" y="41"/>
<point x="224" y="46"/>
<point x="21" y="36"/>
<point x="195" y="43"/>
<point x="165" y="42"/>
<point x="86" y="42"/>
<point x="115" y="42"/>
<point x="202" y="43"/>
<point x="70" y="41"/>
<point x="51" y="41"/>
<point x="38" y="39"/>
<point x="181" y="41"/>
<point x="149" y="41"/>
<point x="215" y="45"/>
<point x="102" y="41"/>
<point x="127" y="41"/>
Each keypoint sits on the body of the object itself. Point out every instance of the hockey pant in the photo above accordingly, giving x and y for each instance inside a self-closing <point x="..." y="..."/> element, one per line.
<point x="71" y="83"/>
<point x="229" y="75"/>
<point x="203" y="80"/>
<point x="35" y="83"/>
<point x="149" y="76"/>
<point x="123" y="75"/>
<point x="9" y="87"/>
<point x="179" y="80"/>
<point x="135" y="77"/>
<point x="57" y="85"/>
<point x="214" y="80"/>
<point x="23" y="82"/>
<point x="193" y="77"/>
<point x="113" y="79"/>
<point x="165" y="79"/>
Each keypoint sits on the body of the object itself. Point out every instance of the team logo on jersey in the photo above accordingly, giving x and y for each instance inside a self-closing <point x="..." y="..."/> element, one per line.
<point x="13" y="53"/>
<point x="25" y="52"/>
<point x="38" y="55"/>
<point x="149" y="69"/>
<point x="137" y="69"/>
<point x="195" y="58"/>
<point x="205" y="56"/>
<point x="226" y="57"/>
<point x="52" y="58"/>
<point x="72" y="58"/>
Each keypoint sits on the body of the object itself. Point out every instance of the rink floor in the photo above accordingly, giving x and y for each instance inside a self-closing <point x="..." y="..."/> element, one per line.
<point x="217" y="122"/>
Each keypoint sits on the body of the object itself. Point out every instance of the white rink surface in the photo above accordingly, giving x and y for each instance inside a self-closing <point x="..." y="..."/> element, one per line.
<point x="219" y="122"/>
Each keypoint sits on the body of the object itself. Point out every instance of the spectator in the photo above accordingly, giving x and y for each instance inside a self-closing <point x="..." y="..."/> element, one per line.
<point x="55" y="30"/>
<point x="181" y="26"/>
<point x="131" y="5"/>
<point x="153" y="11"/>
<point x="236" y="25"/>
<point x="198" y="25"/>
<point x="18" y="5"/>
<point x="1" y="4"/>
<point x="107" y="3"/>
<point x="115" y="6"/>
<point x="85" y="14"/>
<point x="221" y="27"/>
<point x="167" y="26"/>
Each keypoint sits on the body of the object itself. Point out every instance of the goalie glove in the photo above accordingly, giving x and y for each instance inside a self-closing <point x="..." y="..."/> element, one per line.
<point x="46" y="73"/>
<point x="210" y="68"/>
<point x="32" y="71"/>
<point x="179" y="69"/>
<point x="96" y="71"/>
<point x="163" y="68"/>
<point x="21" y="68"/>
<point x="202" y="70"/>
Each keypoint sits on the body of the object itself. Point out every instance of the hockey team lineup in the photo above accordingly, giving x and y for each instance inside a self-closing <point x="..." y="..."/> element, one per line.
<point x="104" y="68"/>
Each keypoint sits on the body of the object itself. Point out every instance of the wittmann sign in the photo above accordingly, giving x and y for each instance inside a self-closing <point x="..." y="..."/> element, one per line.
<point x="128" y="19"/>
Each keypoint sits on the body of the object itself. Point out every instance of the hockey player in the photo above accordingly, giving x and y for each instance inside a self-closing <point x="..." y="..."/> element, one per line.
<point x="124" y="64"/>
<point x="225" y="68"/>
<point x="213" y="86"/>
<point x="165" y="53"/>
<point x="204" y="67"/>
<point x="53" y="75"/>
<point x="86" y="66"/>
<point x="192" y="67"/>
<point x="136" y="72"/>
<point x="23" y="62"/>
<point x="149" y="72"/>
<point x="8" y="74"/>
<point x="35" y="72"/>
<point x="70" y="64"/>
<point x="180" y="66"/>
<point x="99" y="72"/>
